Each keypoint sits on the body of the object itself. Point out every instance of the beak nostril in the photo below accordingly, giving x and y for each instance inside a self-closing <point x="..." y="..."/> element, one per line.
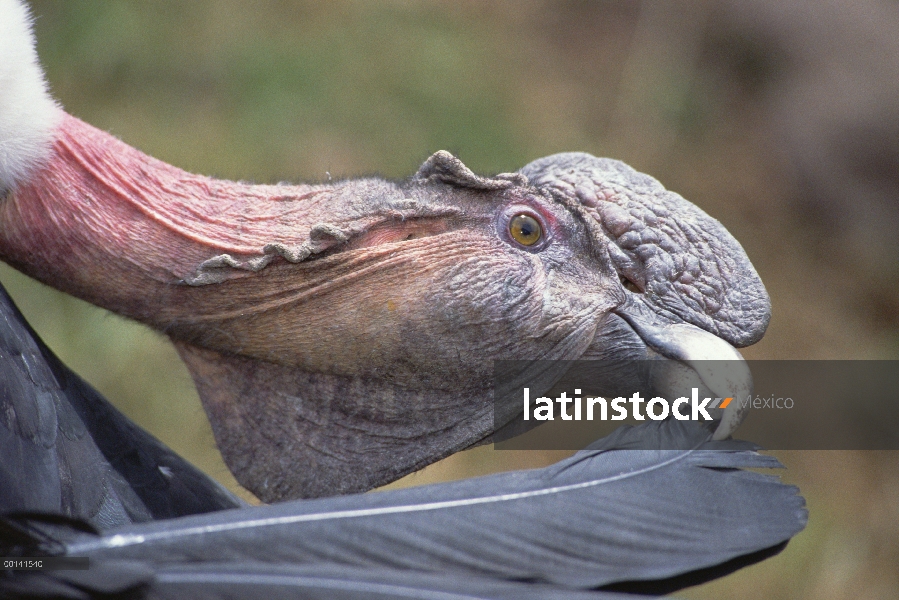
<point x="629" y="285"/>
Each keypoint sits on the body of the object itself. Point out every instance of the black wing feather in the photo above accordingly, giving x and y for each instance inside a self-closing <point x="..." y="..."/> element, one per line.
<point x="252" y="580"/>
<point x="67" y="450"/>
<point x="598" y="518"/>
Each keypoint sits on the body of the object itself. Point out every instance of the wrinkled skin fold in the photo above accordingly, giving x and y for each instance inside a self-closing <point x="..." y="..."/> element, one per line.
<point x="342" y="335"/>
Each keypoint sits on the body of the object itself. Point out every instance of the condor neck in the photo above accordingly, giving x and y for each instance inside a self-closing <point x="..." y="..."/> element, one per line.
<point x="105" y="222"/>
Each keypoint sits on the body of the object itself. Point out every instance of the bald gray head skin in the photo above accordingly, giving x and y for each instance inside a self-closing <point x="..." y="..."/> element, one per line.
<point x="343" y="335"/>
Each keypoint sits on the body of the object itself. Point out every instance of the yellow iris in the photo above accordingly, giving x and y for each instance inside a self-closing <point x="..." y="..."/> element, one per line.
<point x="525" y="230"/>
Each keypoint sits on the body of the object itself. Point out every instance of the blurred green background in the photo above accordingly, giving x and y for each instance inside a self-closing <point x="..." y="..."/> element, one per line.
<point x="780" y="119"/>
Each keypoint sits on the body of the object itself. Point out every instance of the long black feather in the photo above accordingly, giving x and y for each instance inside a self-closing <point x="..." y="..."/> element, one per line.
<point x="598" y="518"/>
<point x="66" y="450"/>
<point x="252" y="580"/>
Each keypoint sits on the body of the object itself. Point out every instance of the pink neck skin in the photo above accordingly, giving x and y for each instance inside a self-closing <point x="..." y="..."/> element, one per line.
<point x="112" y="225"/>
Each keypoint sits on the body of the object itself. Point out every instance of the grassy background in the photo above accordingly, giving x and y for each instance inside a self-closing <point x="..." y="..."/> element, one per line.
<point x="271" y="91"/>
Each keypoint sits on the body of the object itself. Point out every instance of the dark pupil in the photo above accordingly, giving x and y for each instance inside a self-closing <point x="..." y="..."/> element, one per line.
<point x="525" y="230"/>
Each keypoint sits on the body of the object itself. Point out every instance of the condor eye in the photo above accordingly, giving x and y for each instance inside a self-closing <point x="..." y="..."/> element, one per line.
<point x="525" y="230"/>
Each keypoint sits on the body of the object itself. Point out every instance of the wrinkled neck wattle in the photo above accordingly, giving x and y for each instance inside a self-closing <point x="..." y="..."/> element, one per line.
<point x="108" y="223"/>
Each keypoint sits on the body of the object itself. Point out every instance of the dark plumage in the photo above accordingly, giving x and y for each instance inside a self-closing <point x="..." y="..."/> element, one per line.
<point x="66" y="450"/>
<point x="640" y="520"/>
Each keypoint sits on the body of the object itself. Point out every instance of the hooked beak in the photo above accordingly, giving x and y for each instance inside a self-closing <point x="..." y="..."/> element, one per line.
<point x="699" y="359"/>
